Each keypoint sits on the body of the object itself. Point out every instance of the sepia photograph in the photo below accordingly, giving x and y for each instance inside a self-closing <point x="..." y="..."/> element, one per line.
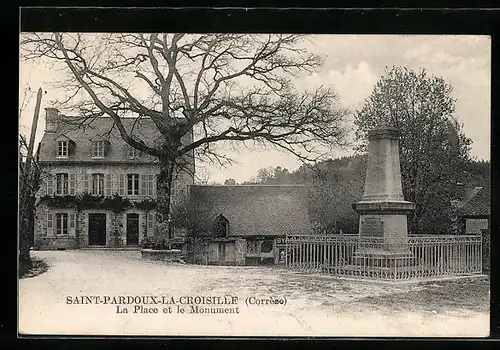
<point x="251" y="184"/>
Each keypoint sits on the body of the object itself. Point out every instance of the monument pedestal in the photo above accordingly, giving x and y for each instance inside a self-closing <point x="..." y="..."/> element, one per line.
<point x="383" y="234"/>
<point x="380" y="258"/>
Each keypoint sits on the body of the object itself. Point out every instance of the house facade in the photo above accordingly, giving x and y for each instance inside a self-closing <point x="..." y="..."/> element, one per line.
<point x="95" y="189"/>
<point x="245" y="224"/>
<point x="473" y="211"/>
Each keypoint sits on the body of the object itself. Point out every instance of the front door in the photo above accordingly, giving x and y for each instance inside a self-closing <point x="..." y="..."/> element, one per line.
<point x="132" y="229"/>
<point x="97" y="229"/>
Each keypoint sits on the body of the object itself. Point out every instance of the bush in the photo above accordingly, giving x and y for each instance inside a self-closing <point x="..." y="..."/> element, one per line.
<point x="156" y="243"/>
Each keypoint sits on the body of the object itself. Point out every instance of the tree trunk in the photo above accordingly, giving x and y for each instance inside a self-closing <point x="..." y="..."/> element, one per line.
<point x="24" y="229"/>
<point x="164" y="229"/>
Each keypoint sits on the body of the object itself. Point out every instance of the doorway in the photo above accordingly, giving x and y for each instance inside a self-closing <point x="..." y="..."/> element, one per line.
<point x="97" y="229"/>
<point x="132" y="229"/>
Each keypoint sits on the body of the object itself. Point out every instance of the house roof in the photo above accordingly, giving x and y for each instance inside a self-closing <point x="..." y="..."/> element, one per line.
<point x="252" y="210"/>
<point x="478" y="203"/>
<point x="101" y="128"/>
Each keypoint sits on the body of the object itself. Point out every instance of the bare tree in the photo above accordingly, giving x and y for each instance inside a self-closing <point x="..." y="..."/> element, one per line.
<point x="224" y="88"/>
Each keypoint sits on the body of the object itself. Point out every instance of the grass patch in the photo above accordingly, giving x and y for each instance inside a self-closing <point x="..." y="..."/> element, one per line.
<point x="440" y="297"/>
<point x="38" y="267"/>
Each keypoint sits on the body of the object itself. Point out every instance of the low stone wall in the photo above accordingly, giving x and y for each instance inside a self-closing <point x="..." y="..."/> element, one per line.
<point x="57" y="243"/>
<point x="161" y="255"/>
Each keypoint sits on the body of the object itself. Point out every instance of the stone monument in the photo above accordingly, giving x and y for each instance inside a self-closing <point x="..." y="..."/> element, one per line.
<point x="382" y="209"/>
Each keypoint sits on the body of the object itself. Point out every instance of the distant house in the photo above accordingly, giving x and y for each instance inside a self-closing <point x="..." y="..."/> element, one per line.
<point x="474" y="218"/>
<point x="246" y="224"/>
<point x="474" y="211"/>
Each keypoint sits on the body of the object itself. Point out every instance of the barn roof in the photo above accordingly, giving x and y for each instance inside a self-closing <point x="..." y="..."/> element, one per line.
<point x="101" y="128"/>
<point x="252" y="210"/>
<point x="478" y="204"/>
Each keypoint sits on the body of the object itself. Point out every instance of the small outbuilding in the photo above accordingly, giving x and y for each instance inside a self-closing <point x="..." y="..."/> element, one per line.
<point x="474" y="214"/>
<point x="245" y="224"/>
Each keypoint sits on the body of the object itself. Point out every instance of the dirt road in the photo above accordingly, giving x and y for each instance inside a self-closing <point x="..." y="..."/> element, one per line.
<point x="315" y="305"/>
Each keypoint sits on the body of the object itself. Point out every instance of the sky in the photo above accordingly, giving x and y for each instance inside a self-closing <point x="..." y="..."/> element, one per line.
<point x="352" y="66"/>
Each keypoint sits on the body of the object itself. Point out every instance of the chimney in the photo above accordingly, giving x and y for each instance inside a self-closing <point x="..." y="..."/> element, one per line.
<point x="51" y="119"/>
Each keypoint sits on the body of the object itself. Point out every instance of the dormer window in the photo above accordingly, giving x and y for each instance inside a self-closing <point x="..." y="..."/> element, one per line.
<point x="62" y="148"/>
<point x="133" y="153"/>
<point x="98" y="149"/>
<point x="222" y="226"/>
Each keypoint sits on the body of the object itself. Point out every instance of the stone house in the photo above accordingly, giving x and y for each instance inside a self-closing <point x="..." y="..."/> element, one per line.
<point x="245" y="224"/>
<point x="474" y="218"/>
<point x="96" y="190"/>
<point x="473" y="211"/>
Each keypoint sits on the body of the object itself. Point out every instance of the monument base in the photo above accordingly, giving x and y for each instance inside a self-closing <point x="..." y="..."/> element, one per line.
<point x="373" y="257"/>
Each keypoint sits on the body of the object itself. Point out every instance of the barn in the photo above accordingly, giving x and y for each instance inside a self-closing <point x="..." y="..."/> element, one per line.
<point x="245" y="224"/>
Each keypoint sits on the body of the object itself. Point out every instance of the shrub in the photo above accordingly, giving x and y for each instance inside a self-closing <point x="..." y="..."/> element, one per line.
<point x="156" y="243"/>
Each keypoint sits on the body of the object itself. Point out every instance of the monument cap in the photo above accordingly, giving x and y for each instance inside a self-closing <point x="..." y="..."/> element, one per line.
<point x="384" y="130"/>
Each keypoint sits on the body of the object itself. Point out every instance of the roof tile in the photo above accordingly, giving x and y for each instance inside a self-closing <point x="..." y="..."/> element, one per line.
<point x="252" y="210"/>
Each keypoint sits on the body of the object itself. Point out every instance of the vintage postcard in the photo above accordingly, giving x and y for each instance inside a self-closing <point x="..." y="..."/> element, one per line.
<point x="218" y="184"/>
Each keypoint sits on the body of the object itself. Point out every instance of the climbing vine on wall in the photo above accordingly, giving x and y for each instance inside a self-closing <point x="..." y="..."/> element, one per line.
<point x="146" y="204"/>
<point x="84" y="201"/>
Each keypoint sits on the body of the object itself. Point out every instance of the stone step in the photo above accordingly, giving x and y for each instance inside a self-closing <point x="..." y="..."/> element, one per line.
<point x="111" y="248"/>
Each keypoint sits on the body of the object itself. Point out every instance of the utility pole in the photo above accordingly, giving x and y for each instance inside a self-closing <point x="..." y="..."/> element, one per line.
<point x="34" y="124"/>
<point x="27" y="192"/>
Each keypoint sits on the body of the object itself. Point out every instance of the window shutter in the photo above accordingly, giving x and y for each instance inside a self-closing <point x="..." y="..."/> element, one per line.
<point x="109" y="185"/>
<point x="107" y="146"/>
<point x="144" y="185"/>
<point x="71" y="147"/>
<point x="50" y="185"/>
<point x="50" y="224"/>
<point x="72" y="220"/>
<point x="156" y="184"/>
<point x="86" y="185"/>
<point x="121" y="190"/>
<point x="151" y="185"/>
<point x="114" y="188"/>
<point x="72" y="225"/>
<point x="72" y="184"/>
<point x="151" y="222"/>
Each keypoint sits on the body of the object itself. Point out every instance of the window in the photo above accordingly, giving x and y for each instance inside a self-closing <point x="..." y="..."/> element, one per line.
<point x="62" y="180"/>
<point x="222" y="226"/>
<point x="98" y="184"/>
<point x="253" y="247"/>
<point x="98" y="149"/>
<point x="62" y="224"/>
<point x="62" y="148"/>
<point x="267" y="246"/>
<point x="133" y="184"/>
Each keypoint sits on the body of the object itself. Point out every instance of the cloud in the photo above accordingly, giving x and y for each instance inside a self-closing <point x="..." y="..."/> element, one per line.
<point x="353" y="64"/>
<point x="417" y="53"/>
<point x="353" y="84"/>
